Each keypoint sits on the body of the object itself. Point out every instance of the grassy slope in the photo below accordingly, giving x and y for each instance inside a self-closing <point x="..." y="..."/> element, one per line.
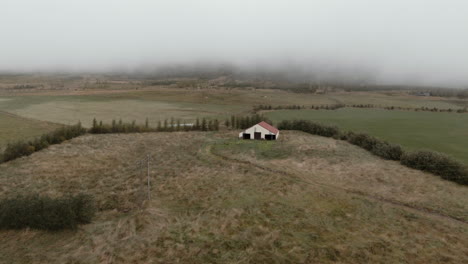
<point x="444" y="132"/>
<point x="210" y="207"/>
<point x="15" y="128"/>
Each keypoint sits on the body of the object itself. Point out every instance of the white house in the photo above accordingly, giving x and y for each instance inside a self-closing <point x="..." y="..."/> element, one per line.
<point x="261" y="130"/>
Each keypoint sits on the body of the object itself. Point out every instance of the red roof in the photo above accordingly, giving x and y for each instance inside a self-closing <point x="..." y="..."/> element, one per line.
<point x="268" y="127"/>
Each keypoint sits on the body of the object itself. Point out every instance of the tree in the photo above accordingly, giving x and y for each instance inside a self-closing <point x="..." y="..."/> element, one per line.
<point x="159" y="127"/>
<point x="233" y="121"/>
<point x="203" y="125"/>
<point x="178" y="125"/>
<point x="94" y="129"/>
<point x="210" y="125"/>
<point x="172" y="124"/>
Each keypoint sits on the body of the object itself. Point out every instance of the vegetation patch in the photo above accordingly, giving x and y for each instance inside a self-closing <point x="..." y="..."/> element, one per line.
<point x="438" y="164"/>
<point x="42" y="212"/>
<point x="26" y="148"/>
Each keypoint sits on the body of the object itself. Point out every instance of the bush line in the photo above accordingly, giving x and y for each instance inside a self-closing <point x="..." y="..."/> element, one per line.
<point x="26" y="148"/>
<point x="258" y="108"/>
<point x="41" y="212"/>
<point x="429" y="161"/>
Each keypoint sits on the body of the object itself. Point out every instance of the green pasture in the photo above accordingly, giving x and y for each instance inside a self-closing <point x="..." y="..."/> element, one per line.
<point x="443" y="132"/>
<point x="13" y="128"/>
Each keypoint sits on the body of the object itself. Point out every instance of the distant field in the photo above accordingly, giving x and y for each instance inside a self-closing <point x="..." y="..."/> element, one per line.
<point x="14" y="128"/>
<point x="444" y="132"/>
<point x="68" y="106"/>
<point x="71" y="109"/>
<point x="160" y="103"/>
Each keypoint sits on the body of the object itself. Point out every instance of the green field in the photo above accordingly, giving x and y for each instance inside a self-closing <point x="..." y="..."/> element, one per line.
<point x="17" y="128"/>
<point x="443" y="132"/>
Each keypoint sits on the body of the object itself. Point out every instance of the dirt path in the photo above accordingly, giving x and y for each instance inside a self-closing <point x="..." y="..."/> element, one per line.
<point x="399" y="204"/>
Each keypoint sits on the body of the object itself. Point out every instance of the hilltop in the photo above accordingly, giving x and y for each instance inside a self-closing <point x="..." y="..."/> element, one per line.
<point x="301" y="199"/>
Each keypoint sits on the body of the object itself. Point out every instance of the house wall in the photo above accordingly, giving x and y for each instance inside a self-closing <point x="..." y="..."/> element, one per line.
<point x="257" y="128"/>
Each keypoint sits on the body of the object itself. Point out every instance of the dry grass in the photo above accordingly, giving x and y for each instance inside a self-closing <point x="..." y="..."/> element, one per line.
<point x="340" y="164"/>
<point x="206" y="209"/>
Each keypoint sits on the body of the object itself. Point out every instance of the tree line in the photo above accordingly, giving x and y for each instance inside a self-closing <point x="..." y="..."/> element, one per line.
<point x="430" y="161"/>
<point x="244" y="122"/>
<point x="168" y="125"/>
<point x="258" y="108"/>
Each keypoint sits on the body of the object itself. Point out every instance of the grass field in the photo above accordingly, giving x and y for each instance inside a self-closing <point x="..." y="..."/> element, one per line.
<point x="443" y="132"/>
<point x="302" y="199"/>
<point x="67" y="107"/>
<point x="15" y="128"/>
<point x="71" y="109"/>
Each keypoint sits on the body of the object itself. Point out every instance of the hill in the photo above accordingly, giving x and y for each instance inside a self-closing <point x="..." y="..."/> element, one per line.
<point x="216" y="199"/>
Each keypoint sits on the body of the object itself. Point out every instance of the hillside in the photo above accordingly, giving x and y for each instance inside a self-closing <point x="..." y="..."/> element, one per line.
<point x="216" y="199"/>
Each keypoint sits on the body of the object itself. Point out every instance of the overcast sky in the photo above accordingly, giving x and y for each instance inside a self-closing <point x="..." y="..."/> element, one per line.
<point x="418" y="41"/>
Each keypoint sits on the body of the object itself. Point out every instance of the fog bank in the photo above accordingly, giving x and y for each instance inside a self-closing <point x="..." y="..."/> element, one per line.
<point x="397" y="42"/>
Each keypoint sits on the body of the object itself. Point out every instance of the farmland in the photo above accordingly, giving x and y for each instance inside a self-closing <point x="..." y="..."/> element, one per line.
<point x="216" y="199"/>
<point x="443" y="132"/>
<point x="227" y="201"/>
<point x="15" y="128"/>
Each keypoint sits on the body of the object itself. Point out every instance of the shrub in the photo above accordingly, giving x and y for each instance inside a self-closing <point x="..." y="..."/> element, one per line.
<point x="387" y="151"/>
<point x="41" y="212"/>
<point x="84" y="207"/>
<point x="362" y="140"/>
<point x="437" y="163"/>
<point x="17" y="149"/>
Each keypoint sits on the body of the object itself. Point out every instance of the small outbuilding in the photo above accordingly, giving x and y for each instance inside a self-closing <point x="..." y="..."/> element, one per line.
<point x="262" y="130"/>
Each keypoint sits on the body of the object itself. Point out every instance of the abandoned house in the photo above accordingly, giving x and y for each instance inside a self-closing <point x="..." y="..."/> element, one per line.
<point x="261" y="130"/>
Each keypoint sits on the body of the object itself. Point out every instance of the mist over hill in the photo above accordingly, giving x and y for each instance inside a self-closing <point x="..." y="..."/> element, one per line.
<point x="363" y="41"/>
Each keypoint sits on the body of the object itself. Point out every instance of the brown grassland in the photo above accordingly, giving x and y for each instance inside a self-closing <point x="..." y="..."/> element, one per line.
<point x="216" y="199"/>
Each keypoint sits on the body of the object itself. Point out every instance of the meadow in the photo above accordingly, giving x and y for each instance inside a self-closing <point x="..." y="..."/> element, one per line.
<point x="443" y="132"/>
<point x="224" y="200"/>
<point x="14" y="128"/>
